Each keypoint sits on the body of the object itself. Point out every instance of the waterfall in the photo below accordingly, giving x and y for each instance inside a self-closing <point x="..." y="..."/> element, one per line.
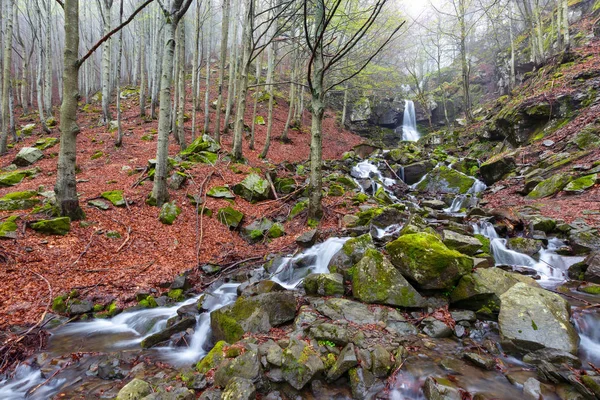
<point x="409" y="122"/>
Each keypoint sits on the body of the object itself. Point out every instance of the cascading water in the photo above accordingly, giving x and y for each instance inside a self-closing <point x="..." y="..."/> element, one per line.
<point x="409" y="122"/>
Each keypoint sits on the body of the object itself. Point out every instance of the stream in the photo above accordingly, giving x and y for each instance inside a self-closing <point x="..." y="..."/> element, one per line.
<point x="122" y="334"/>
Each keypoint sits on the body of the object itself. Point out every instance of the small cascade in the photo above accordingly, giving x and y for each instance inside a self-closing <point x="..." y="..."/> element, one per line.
<point x="477" y="187"/>
<point x="409" y="122"/>
<point x="587" y="323"/>
<point x="28" y="383"/>
<point x="457" y="204"/>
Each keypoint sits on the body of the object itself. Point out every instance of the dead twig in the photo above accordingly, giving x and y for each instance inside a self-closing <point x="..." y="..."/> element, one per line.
<point x="126" y="239"/>
<point x="87" y="247"/>
<point x="272" y="185"/>
<point x="142" y="179"/>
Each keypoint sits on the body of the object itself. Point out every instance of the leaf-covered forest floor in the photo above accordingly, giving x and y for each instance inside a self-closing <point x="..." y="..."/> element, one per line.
<point x="148" y="253"/>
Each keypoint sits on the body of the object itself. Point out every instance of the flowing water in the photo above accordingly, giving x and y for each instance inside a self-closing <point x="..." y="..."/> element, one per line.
<point x="409" y="122"/>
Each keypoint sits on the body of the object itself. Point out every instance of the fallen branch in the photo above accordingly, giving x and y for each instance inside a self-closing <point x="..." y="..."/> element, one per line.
<point x="87" y="247"/>
<point x="126" y="239"/>
<point x="142" y="179"/>
<point x="272" y="185"/>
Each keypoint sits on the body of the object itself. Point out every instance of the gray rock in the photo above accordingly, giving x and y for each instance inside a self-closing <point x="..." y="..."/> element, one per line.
<point x="532" y="389"/>
<point x="533" y="318"/>
<point x="463" y="315"/>
<point x="351" y="253"/>
<point x="308" y="239"/>
<point x="435" y="328"/>
<point x="361" y="381"/>
<point x="401" y="328"/>
<point x="434" y="204"/>
<point x="81" y="307"/>
<point x="414" y="172"/>
<point x="583" y="242"/>
<point x="465" y="244"/>
<point x="525" y="245"/>
<point x="253" y="188"/>
<point x="481" y="360"/>
<point x="300" y="363"/>
<point x="239" y="389"/>
<point x="331" y="332"/>
<point x="592" y="273"/>
<point x="101" y="204"/>
<point x="165" y="334"/>
<point x="324" y="284"/>
<point x="381" y="360"/>
<point x="28" y="156"/>
<point x="346" y="360"/>
<point x="494" y="170"/>
<point x="246" y="366"/>
<point x="440" y="389"/>
<point x="552" y="356"/>
<point x="110" y="369"/>
<point x="137" y="389"/>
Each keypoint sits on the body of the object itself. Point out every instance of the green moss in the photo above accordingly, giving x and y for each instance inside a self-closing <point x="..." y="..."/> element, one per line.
<point x="57" y="226"/>
<point x="19" y="195"/>
<point x="98" y="307"/>
<point x="359" y="198"/>
<point x="15" y="177"/>
<point x="533" y="325"/>
<point x="298" y="208"/>
<point x="176" y="294"/>
<point x="8" y="228"/>
<point x="336" y="190"/>
<point x="232" y="330"/>
<point x="59" y="305"/>
<point x="365" y="217"/>
<point x="213" y="358"/>
<point x="113" y="310"/>
<point x="115" y="197"/>
<point x="590" y="289"/>
<point x="169" y="213"/>
<point x="581" y="184"/>
<point x="97" y="155"/>
<point x="276" y="230"/>
<point x="485" y="241"/>
<point x="230" y="217"/>
<point x="549" y="186"/>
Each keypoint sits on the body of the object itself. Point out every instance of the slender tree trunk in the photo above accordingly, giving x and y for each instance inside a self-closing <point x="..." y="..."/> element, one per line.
<point x="157" y="74"/>
<point x="143" y="71"/>
<point x="233" y="71"/>
<point x="258" y="74"/>
<point x="222" y="62"/>
<point x="160" y="194"/>
<point x="271" y="54"/>
<point x="565" y="22"/>
<point x="40" y="77"/>
<point x="119" y="140"/>
<point x="181" y="82"/>
<point x="207" y="83"/>
<point x="195" y="71"/>
<point x="48" y="83"/>
<point x="6" y="74"/>
<point x="284" y="133"/>
<point x="465" y="67"/>
<point x="106" y="60"/>
<point x="513" y="78"/>
<point x="65" y="188"/>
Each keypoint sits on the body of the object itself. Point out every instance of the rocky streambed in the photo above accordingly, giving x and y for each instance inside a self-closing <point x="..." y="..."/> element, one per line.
<point x="426" y="295"/>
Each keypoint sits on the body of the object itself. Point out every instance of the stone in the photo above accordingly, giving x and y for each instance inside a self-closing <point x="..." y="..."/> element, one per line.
<point x="463" y="315"/>
<point x="332" y="333"/>
<point x="257" y="230"/>
<point x="414" y="172"/>
<point x="285" y="185"/>
<point x="18" y="201"/>
<point x="549" y="187"/>
<point x="8" y="228"/>
<point x="81" y="307"/>
<point x="481" y="290"/>
<point x="465" y="244"/>
<point x="115" y="197"/>
<point x="532" y="318"/>
<point x="434" y="204"/>
<point x="375" y="280"/>
<point x="532" y="389"/>
<point x="239" y="389"/>
<point x="308" y="239"/>
<point x="324" y="284"/>
<point x="246" y="366"/>
<point x="56" y="226"/>
<point x="446" y="180"/>
<point x="110" y="369"/>
<point x="483" y="361"/>
<point x="28" y="156"/>
<point x="254" y="189"/>
<point x="361" y="381"/>
<point x="137" y="389"/>
<point x="496" y="168"/>
<point x="100" y="204"/>
<point x="202" y="144"/>
<point x="582" y="184"/>
<point x="230" y="217"/>
<point x="214" y="357"/>
<point x="176" y="180"/>
<point x="300" y="364"/>
<point x="352" y="252"/>
<point x="440" y="389"/>
<point x="12" y="178"/>
<point x="252" y="314"/>
<point x="548" y="143"/>
<point x="220" y="192"/>
<point x="353" y="311"/>
<point x="260" y="287"/>
<point x="592" y="272"/>
<point x="346" y="360"/>
<point x="583" y="242"/>
<point x="169" y="213"/>
<point x="435" y="328"/>
<point x="165" y="334"/>
<point x="525" y="245"/>
<point x="423" y="258"/>
<point x="553" y="356"/>
<point x="381" y="361"/>
<point x="543" y="224"/>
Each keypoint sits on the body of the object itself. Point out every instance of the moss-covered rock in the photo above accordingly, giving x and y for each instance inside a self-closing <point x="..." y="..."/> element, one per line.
<point x="496" y="168"/>
<point x="300" y="363"/>
<point x="525" y="245"/>
<point x="220" y="192"/>
<point x="352" y="252"/>
<point x="203" y="143"/>
<point x="544" y="224"/>
<point x="252" y="314"/>
<point x="257" y="230"/>
<point x="28" y="156"/>
<point x="254" y="189"/>
<point x="115" y="197"/>
<point x="424" y="259"/>
<point x="213" y="358"/>
<point x="336" y="190"/>
<point x="481" y="290"/>
<point x="18" y="201"/>
<point x="137" y="389"/>
<point x="12" y="178"/>
<point x="583" y="242"/>
<point x="298" y="208"/>
<point x="230" y="217"/>
<point x="169" y="213"/>
<point x="465" y="244"/>
<point x="285" y="185"/>
<point x="8" y="228"/>
<point x="276" y="230"/>
<point x="375" y="280"/>
<point x="549" y="186"/>
<point x="365" y="217"/>
<point x="446" y="180"/>
<point x="324" y="284"/>
<point x="56" y="226"/>
<point x="582" y="184"/>
<point x="588" y="138"/>
<point x="204" y="157"/>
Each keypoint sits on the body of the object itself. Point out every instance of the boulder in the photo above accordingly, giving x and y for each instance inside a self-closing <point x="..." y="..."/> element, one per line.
<point x="324" y="284"/>
<point x="202" y="144"/>
<point x="549" y="187"/>
<point x="532" y="318"/>
<point x="346" y="360"/>
<point x="45" y="143"/>
<point x="381" y="361"/>
<point x="440" y="389"/>
<point x="18" y="201"/>
<point x="423" y="258"/>
<point x="28" y="156"/>
<point x="8" y="228"/>
<point x="301" y="363"/>
<point x="56" y="226"/>
<point x="414" y="172"/>
<point x="446" y="180"/>
<point x="165" y="334"/>
<point x="214" y="357"/>
<point x="12" y="178"/>
<point x="582" y="184"/>
<point x="115" y="197"/>
<point x="435" y="328"/>
<point x="375" y="280"/>
<point x="583" y="242"/>
<point x="434" y="204"/>
<point x="481" y="290"/>
<point x="252" y="314"/>
<point x="308" y="239"/>
<point x="245" y="366"/>
<point x="239" y="389"/>
<point x="335" y="333"/>
<point x="465" y="244"/>
<point x="496" y="168"/>
<point x="230" y="217"/>
<point x="361" y="382"/>
<point x="254" y="189"/>
<point x="592" y="273"/>
<point x="168" y="213"/>
<point x="220" y="192"/>
<point x="257" y="230"/>
<point x="525" y="245"/>
<point x="137" y="389"/>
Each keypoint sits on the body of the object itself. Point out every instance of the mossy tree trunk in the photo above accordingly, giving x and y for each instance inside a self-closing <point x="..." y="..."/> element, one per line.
<point x="6" y="74"/>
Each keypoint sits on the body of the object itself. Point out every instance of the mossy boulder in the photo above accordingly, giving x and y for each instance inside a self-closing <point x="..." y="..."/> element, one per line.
<point x="254" y="189"/>
<point x="375" y="280"/>
<point x="525" y="245"/>
<point x="18" y="201"/>
<point x="169" y="213"/>
<point x="285" y="185"/>
<point x="257" y="230"/>
<point x="496" y="168"/>
<point x="276" y="230"/>
<point x="336" y="190"/>
<point x="56" y="226"/>
<point x="137" y="389"/>
<point x="115" y="197"/>
<point x="582" y="184"/>
<point x="465" y="244"/>
<point x="425" y="259"/>
<point x="352" y="252"/>
<point x="239" y="389"/>
<point x="468" y="166"/>
<point x="415" y="171"/>
<point x="203" y="143"/>
<point x="28" y="156"/>
<point x="366" y="216"/>
<point x="12" y="178"/>
<point x="446" y="180"/>
<point x="324" y="284"/>
<point x="220" y="192"/>
<point x="204" y="157"/>
<point x="544" y="224"/>
<point x="230" y="217"/>
<point x="8" y="228"/>
<point x="252" y="314"/>
<point x="481" y="290"/>
<point x="588" y="138"/>
<point x="532" y="318"/>
<point x="549" y="186"/>
<point x="301" y="362"/>
<point x="298" y="208"/>
<point x="583" y="242"/>
<point x="213" y="358"/>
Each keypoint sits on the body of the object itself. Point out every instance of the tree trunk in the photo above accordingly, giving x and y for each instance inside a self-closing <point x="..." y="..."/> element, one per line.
<point x="65" y="188"/>
<point x="465" y="67"/>
<point x="271" y="55"/>
<point x="258" y="74"/>
<point x="565" y="23"/>
<point x="234" y="72"/>
<point x="6" y="74"/>
<point x="160" y="194"/>
<point x="40" y="76"/>
<point x="143" y="72"/>
<point x="106" y="60"/>
<point x="207" y="83"/>
<point x="195" y="71"/>
<point x="181" y="89"/>
<point x="48" y="62"/>
<point x="119" y="140"/>
<point x="224" y="39"/>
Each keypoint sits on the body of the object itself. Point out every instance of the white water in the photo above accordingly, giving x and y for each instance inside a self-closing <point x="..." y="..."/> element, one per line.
<point x="409" y="122"/>
<point x="366" y="170"/>
<point x="25" y="380"/>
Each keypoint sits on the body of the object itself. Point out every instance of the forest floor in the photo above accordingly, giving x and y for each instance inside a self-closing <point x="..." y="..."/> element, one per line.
<point x="147" y="254"/>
